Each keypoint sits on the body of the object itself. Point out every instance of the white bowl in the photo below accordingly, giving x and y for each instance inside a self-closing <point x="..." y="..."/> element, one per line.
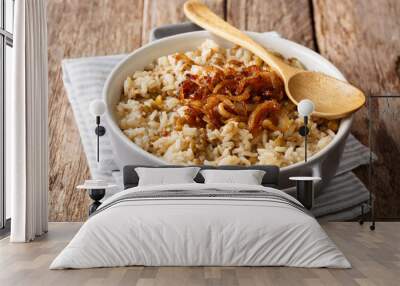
<point x="323" y="164"/>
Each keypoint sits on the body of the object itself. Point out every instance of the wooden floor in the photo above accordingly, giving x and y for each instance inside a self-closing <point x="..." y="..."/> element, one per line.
<point x="361" y="37"/>
<point x="375" y="257"/>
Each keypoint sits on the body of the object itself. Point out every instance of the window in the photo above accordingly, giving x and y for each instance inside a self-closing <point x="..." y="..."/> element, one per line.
<point x="6" y="44"/>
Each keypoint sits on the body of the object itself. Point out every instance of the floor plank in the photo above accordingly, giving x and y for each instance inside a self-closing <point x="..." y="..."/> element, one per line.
<point x="375" y="257"/>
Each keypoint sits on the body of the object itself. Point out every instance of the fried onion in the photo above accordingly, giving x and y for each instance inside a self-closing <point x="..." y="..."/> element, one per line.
<point x="261" y="112"/>
<point x="244" y="94"/>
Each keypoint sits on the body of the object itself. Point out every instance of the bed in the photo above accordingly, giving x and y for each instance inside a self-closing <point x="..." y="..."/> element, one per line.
<point x="201" y="224"/>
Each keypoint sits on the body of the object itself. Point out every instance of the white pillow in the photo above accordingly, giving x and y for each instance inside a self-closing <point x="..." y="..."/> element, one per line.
<point x="166" y="176"/>
<point x="247" y="177"/>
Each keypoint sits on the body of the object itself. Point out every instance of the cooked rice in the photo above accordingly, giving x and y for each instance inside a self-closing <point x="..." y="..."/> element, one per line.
<point x="150" y="114"/>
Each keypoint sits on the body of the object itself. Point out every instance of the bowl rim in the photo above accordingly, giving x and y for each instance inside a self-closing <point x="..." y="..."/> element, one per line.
<point x="344" y="126"/>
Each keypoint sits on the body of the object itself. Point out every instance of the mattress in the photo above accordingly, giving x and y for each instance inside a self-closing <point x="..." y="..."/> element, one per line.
<point x="201" y="225"/>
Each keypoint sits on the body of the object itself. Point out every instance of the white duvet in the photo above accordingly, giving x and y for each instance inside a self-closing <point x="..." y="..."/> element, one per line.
<point x="200" y="231"/>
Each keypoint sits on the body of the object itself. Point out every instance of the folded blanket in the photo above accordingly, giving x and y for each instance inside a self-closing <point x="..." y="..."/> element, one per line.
<point x="205" y="194"/>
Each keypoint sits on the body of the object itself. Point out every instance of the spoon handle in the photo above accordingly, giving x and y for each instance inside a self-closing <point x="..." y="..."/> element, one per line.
<point x="199" y="13"/>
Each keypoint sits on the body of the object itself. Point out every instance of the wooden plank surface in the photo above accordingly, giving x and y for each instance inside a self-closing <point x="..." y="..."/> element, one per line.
<point x="160" y="12"/>
<point x="374" y="257"/>
<point x="77" y="29"/>
<point x="362" y="38"/>
<point x="290" y="18"/>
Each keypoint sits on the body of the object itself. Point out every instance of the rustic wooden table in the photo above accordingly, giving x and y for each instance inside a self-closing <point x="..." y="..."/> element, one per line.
<point x="361" y="37"/>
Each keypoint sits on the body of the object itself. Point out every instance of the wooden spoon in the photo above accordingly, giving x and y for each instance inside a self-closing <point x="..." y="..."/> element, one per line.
<point x="332" y="98"/>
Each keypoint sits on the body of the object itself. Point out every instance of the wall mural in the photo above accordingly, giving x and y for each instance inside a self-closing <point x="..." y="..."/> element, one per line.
<point x="215" y="105"/>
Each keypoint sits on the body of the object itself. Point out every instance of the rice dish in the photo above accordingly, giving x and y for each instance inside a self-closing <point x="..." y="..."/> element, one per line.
<point x="216" y="106"/>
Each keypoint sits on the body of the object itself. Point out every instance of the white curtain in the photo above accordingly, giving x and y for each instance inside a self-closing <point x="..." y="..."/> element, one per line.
<point x="27" y="151"/>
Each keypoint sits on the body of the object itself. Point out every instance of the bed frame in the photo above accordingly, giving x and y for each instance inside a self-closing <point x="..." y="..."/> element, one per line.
<point x="271" y="177"/>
